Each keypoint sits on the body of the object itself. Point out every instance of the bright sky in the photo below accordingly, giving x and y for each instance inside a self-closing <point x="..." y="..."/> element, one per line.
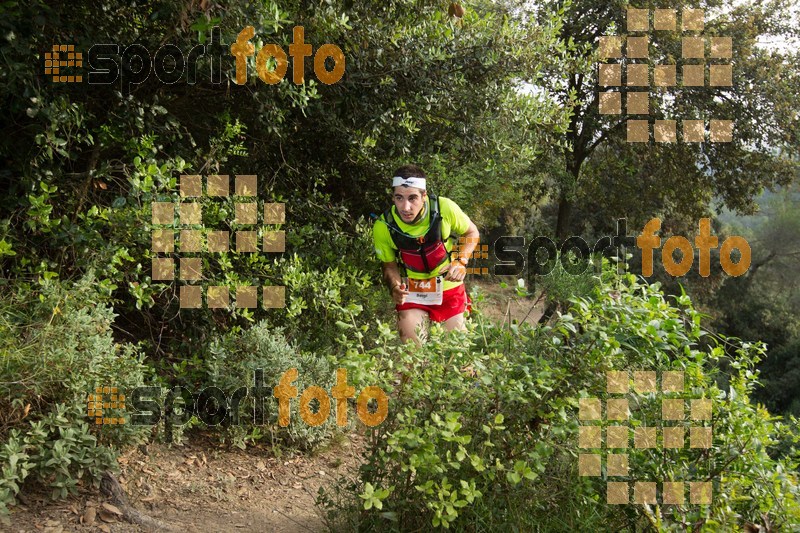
<point x="777" y="43"/>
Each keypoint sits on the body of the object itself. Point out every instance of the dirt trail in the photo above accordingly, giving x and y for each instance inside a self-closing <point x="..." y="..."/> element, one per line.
<point x="202" y="486"/>
<point x="503" y="306"/>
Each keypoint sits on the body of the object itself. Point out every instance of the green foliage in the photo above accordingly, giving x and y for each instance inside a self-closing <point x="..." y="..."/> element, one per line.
<point x="603" y="177"/>
<point x="498" y="451"/>
<point x="66" y="451"/>
<point x="59" y="451"/>
<point x="232" y="362"/>
<point x="483" y="103"/>
<point x="84" y="162"/>
<point x="57" y="347"/>
<point x="764" y="304"/>
<point x="560" y="285"/>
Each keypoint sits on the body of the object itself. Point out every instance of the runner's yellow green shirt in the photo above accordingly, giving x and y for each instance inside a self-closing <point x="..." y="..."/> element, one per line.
<point x="453" y="221"/>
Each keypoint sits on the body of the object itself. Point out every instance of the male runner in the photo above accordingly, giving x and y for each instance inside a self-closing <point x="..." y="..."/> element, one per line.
<point x="416" y="235"/>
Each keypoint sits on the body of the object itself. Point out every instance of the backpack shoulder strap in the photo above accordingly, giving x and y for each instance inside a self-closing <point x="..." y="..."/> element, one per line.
<point x="393" y="227"/>
<point x="435" y="224"/>
<point x="434" y="199"/>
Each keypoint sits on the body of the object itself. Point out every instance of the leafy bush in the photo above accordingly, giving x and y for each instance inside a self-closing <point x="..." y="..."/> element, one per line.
<point x="499" y="451"/>
<point x="57" y="451"/>
<point x="57" y="347"/>
<point x="560" y="285"/>
<point x="232" y="363"/>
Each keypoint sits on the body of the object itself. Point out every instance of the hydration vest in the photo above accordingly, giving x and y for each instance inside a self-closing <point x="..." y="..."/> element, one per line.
<point x="424" y="253"/>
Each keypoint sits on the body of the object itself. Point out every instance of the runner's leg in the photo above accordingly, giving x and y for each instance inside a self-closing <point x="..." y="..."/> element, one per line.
<point x="455" y="322"/>
<point x="408" y="321"/>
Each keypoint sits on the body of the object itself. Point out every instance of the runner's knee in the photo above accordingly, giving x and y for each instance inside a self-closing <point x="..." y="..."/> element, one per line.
<point x="455" y="323"/>
<point x="408" y="322"/>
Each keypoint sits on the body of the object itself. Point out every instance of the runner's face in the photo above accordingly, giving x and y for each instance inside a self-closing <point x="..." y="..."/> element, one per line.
<point x="408" y="201"/>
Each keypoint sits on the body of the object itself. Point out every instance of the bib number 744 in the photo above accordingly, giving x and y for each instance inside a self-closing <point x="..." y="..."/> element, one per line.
<point x="425" y="291"/>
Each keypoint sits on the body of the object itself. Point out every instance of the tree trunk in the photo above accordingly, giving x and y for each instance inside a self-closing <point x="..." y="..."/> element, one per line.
<point x="562" y="223"/>
<point x="564" y="203"/>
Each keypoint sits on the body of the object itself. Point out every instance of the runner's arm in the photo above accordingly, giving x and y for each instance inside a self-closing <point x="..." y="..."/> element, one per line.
<point x="461" y="225"/>
<point x="391" y="274"/>
<point x="471" y="239"/>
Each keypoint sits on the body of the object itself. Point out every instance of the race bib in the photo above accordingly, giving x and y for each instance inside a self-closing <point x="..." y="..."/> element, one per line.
<point x="424" y="291"/>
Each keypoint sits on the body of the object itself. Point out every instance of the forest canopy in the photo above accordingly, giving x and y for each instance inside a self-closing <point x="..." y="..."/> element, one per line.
<point x="502" y="103"/>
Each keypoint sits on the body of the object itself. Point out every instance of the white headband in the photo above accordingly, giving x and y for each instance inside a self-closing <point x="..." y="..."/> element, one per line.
<point x="419" y="183"/>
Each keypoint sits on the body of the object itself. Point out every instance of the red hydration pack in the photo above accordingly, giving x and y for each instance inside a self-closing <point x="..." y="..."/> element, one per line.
<point x="420" y="254"/>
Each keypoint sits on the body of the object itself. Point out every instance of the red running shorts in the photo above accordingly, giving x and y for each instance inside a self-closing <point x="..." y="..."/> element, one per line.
<point x="454" y="301"/>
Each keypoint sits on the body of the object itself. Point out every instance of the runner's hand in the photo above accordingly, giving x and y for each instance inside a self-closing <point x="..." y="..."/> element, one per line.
<point x="455" y="271"/>
<point x="399" y="293"/>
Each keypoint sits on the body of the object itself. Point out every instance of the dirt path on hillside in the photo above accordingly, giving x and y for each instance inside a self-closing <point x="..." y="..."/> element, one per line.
<point x="503" y="306"/>
<point x="204" y="486"/>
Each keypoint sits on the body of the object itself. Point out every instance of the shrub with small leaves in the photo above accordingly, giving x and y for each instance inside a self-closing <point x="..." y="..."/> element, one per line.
<point x="482" y="432"/>
<point x="58" y="347"/>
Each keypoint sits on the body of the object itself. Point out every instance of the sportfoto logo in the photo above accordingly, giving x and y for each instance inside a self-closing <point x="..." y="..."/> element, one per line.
<point x="213" y="406"/>
<point x="133" y="64"/>
<point x="574" y="254"/>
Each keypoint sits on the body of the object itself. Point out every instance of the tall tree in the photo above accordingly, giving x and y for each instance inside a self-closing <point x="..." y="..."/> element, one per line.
<point x="82" y="163"/>
<point x="607" y="176"/>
